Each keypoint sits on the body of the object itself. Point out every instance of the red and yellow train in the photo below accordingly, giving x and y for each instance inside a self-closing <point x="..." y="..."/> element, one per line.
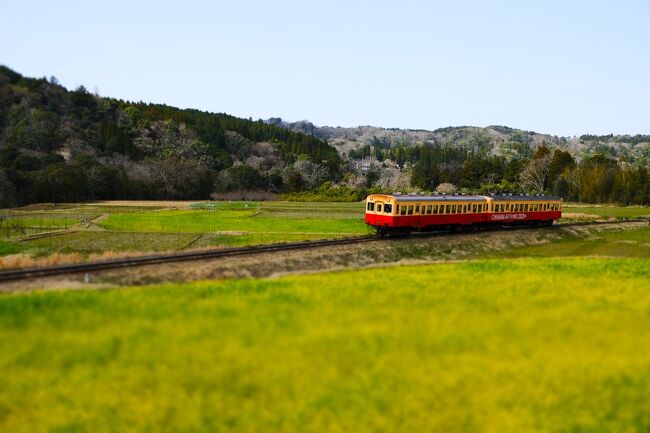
<point x="392" y="213"/>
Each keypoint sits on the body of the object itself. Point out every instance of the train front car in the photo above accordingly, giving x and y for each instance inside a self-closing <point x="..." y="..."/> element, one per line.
<point x="380" y="212"/>
<point x="397" y="213"/>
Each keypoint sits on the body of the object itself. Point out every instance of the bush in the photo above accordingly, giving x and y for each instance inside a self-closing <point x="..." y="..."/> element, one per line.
<point x="328" y="192"/>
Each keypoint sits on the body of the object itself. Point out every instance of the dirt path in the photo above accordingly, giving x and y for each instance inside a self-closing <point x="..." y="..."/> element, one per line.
<point x="392" y="252"/>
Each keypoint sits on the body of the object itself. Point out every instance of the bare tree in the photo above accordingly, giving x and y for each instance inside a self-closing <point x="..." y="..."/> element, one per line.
<point x="535" y="176"/>
<point x="446" y="188"/>
<point x="312" y="174"/>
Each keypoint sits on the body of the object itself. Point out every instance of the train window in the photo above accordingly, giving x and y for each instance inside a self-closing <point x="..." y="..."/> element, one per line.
<point x="410" y="210"/>
<point x="464" y="208"/>
<point x="435" y="209"/>
<point x="474" y="208"/>
<point x="371" y="207"/>
<point x="447" y="208"/>
<point x="402" y="210"/>
<point x="396" y="209"/>
<point x="417" y="208"/>
<point x="379" y="208"/>
<point x="453" y="208"/>
<point x="388" y="208"/>
<point x="429" y="209"/>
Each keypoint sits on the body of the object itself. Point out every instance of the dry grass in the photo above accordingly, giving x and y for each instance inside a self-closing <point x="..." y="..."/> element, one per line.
<point x="22" y="260"/>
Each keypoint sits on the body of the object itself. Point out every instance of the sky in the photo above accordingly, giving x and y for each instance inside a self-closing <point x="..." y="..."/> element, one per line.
<point x="559" y="67"/>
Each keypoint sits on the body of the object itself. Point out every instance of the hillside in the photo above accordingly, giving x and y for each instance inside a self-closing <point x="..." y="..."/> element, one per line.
<point x="61" y="145"/>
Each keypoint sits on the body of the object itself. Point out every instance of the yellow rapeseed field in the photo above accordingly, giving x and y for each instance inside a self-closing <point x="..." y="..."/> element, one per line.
<point x="487" y="346"/>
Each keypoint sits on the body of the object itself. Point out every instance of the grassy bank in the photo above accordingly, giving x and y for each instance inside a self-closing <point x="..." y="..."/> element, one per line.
<point x="629" y="243"/>
<point x="499" y="346"/>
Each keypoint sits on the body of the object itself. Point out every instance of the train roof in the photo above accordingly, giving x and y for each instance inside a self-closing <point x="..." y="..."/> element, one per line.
<point x="478" y="198"/>
<point x="524" y="197"/>
<point x="401" y="198"/>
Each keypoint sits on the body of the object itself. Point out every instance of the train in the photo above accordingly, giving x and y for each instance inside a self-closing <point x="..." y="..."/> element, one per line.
<point x="402" y="213"/>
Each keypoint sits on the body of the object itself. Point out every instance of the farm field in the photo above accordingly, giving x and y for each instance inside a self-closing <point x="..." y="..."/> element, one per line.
<point x="87" y="229"/>
<point x="609" y="211"/>
<point x="542" y="344"/>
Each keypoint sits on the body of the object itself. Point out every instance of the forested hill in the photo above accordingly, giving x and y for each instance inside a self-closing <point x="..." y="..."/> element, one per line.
<point x="61" y="145"/>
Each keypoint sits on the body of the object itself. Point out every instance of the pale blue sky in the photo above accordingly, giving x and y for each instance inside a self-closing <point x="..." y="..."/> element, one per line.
<point x="560" y="67"/>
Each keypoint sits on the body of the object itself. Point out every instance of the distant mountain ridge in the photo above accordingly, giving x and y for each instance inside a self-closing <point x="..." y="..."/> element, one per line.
<point x="500" y="139"/>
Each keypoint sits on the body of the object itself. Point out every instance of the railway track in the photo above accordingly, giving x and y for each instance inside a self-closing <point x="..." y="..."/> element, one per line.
<point x="28" y="273"/>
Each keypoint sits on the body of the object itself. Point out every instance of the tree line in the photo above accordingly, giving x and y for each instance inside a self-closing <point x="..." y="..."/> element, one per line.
<point x="595" y="179"/>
